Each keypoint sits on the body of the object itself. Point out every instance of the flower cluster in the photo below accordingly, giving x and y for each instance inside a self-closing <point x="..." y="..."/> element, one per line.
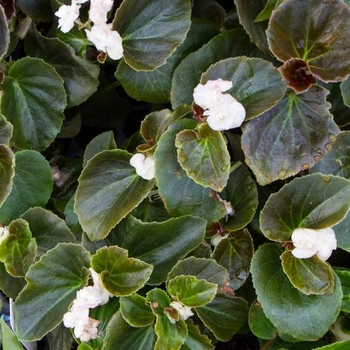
<point x="176" y="311"/>
<point x="224" y="112"/>
<point x="101" y="34"/>
<point x="144" y="166"/>
<point x="85" y="327"/>
<point x="308" y="242"/>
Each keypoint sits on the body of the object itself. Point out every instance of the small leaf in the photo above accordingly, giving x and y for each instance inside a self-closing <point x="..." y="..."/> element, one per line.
<point x="8" y="338"/>
<point x="224" y="316"/>
<point x="158" y="300"/>
<point x="151" y="30"/>
<point x="136" y="311"/>
<point x="52" y="285"/>
<point x="315" y="201"/>
<point x="106" y="192"/>
<point x="6" y="130"/>
<point x="296" y="133"/>
<point x="310" y="276"/>
<point x="33" y="101"/>
<point x="204" y="156"/>
<point x="120" y="275"/>
<point x="4" y="33"/>
<point x="319" y="36"/>
<point x="32" y="185"/>
<point x="319" y="312"/>
<point x="190" y="291"/>
<point x="7" y="163"/>
<point x="196" y="340"/>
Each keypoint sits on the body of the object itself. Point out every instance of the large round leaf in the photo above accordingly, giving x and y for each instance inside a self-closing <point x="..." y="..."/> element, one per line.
<point x="7" y="163"/>
<point x="33" y="101"/>
<point x="305" y="317"/>
<point x="290" y="137"/>
<point x="108" y="190"/>
<point x="315" y="31"/>
<point x="151" y="30"/>
<point x="315" y="201"/>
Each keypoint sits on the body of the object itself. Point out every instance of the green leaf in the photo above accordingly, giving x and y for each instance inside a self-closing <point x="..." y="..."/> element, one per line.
<point x="47" y="229"/>
<point x="52" y="285"/>
<point x="7" y="163"/>
<point x="241" y="192"/>
<point x="120" y="275"/>
<point x="314" y="201"/>
<point x="181" y="195"/>
<point x="108" y="190"/>
<point x="259" y="324"/>
<point x="319" y="36"/>
<point x="305" y="317"/>
<point x="204" y="156"/>
<point x="230" y="43"/>
<point x="4" y="33"/>
<point x="9" y="285"/>
<point x="120" y="335"/>
<point x="148" y="242"/>
<point x="266" y="12"/>
<point x="80" y="76"/>
<point x="343" y="345"/>
<point x="158" y="300"/>
<point x="136" y="311"/>
<point x="6" y="130"/>
<point x="224" y="316"/>
<point x="18" y="249"/>
<point x="344" y="276"/>
<point x="235" y="255"/>
<point x="40" y="10"/>
<point x="60" y="338"/>
<point x="295" y="134"/>
<point x="190" y="291"/>
<point x="33" y="101"/>
<point x="196" y="340"/>
<point x="154" y="86"/>
<point x="257" y="84"/>
<point x="151" y="30"/>
<point x="345" y="91"/>
<point x="310" y="276"/>
<point x="201" y="268"/>
<point x="9" y="340"/>
<point x="32" y="185"/>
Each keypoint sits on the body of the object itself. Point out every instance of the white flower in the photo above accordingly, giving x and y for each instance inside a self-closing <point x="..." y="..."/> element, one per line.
<point x="86" y="331"/>
<point x="4" y="232"/>
<point x="89" y="297"/>
<point x="228" y="114"/>
<point x="106" y="40"/>
<point x="210" y="94"/>
<point x="99" y="9"/>
<point x="308" y="242"/>
<point x="183" y="311"/>
<point x="98" y="285"/>
<point x="144" y="166"/>
<point x="67" y="15"/>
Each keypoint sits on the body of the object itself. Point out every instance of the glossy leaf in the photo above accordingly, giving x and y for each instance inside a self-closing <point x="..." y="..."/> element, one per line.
<point x="106" y="192"/>
<point x="181" y="195"/>
<point x="52" y="285"/>
<point x="201" y="268"/>
<point x="342" y="345"/>
<point x="194" y="339"/>
<point x="235" y="254"/>
<point x="120" y="275"/>
<point x="32" y="185"/>
<point x="315" y="31"/>
<point x="319" y="312"/>
<point x="47" y="229"/>
<point x="344" y="276"/>
<point x="148" y="242"/>
<point x="80" y="76"/>
<point x="315" y="201"/>
<point x="18" y="249"/>
<point x="6" y="130"/>
<point x="151" y="30"/>
<point x="33" y="101"/>
<point x="295" y="134"/>
<point x="229" y="43"/>
<point x="136" y="311"/>
<point x="7" y="163"/>
<point x="310" y="276"/>
<point x="190" y="291"/>
<point x="4" y="33"/>
<point x="158" y="300"/>
<point x="257" y="84"/>
<point x="224" y="316"/>
<point x="120" y="335"/>
<point x="204" y="156"/>
<point x="8" y="338"/>
<point x="241" y="192"/>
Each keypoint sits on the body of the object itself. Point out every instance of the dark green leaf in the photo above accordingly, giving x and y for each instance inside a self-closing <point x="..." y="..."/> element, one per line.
<point x="196" y="340"/>
<point x="11" y="286"/>
<point x="32" y="185"/>
<point x="107" y="192"/>
<point x="52" y="285"/>
<point x="6" y="130"/>
<point x="344" y="276"/>
<point x="60" y="338"/>
<point x="151" y="30"/>
<point x="4" y="33"/>
<point x="120" y="275"/>
<point x="37" y="9"/>
<point x="33" y="101"/>
<point x="7" y="163"/>
<point x="290" y="137"/>
<point x="315" y="201"/>
<point x="305" y="317"/>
